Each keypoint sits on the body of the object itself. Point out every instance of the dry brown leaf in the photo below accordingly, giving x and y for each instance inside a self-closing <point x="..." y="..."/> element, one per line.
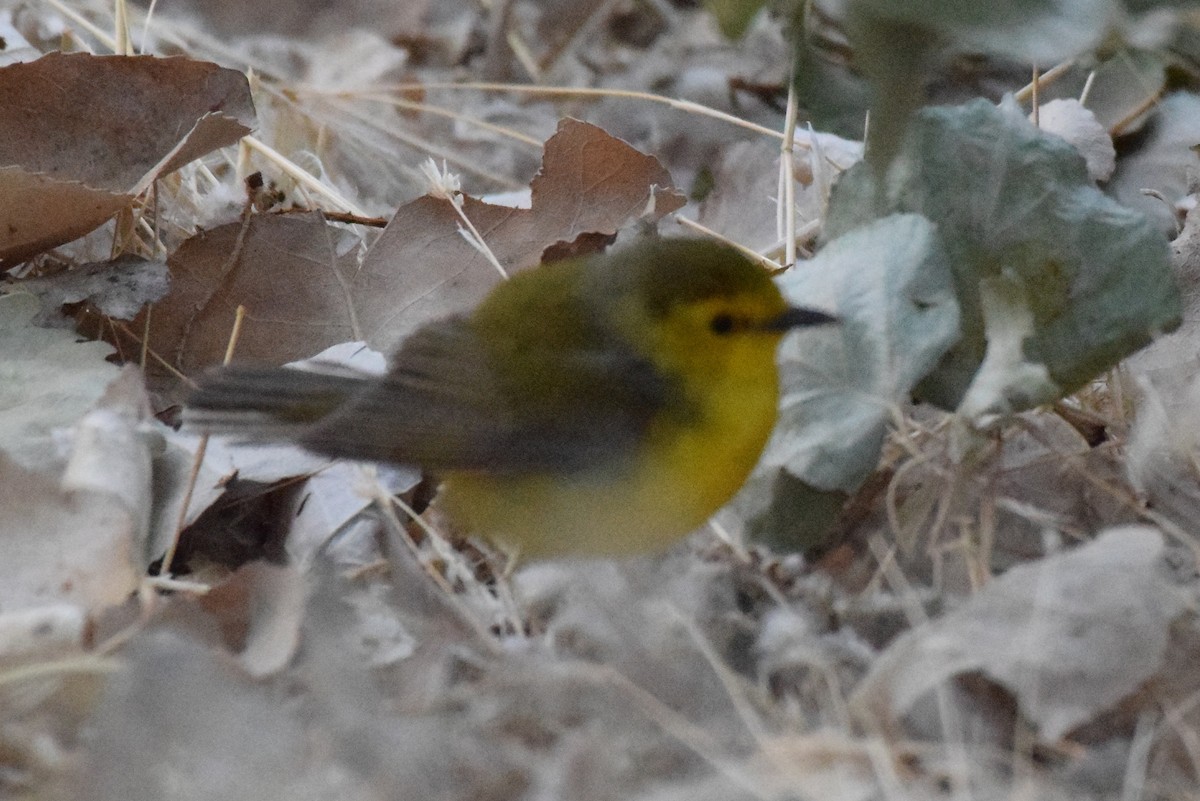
<point x="421" y="269"/>
<point x="290" y="272"/>
<point x="83" y="134"/>
<point x="298" y="279"/>
<point x="38" y="212"/>
<point x="143" y="115"/>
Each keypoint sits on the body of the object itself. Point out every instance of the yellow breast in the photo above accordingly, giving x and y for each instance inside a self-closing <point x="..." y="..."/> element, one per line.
<point x="683" y="472"/>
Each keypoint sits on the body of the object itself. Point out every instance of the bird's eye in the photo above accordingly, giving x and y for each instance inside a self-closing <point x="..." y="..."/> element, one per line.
<point x="721" y="324"/>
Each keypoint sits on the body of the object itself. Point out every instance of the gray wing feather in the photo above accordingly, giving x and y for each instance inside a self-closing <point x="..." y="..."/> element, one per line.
<point x="444" y="406"/>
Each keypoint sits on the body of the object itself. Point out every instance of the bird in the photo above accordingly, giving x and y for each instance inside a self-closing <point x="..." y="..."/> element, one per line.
<point x="597" y="406"/>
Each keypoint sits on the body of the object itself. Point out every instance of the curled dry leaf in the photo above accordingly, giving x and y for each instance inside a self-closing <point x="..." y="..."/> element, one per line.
<point x="590" y="185"/>
<point x="1070" y="637"/>
<point x="82" y="135"/>
<point x="50" y="213"/>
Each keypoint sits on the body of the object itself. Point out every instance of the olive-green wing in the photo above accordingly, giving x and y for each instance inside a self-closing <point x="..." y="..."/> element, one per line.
<point x="447" y="404"/>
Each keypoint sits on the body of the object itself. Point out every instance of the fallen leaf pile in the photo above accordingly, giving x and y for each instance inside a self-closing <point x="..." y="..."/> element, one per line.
<point x="419" y="269"/>
<point x="83" y="136"/>
<point x="967" y="566"/>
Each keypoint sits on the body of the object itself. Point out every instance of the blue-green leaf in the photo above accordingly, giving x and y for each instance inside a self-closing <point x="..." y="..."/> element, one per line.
<point x="1014" y="207"/>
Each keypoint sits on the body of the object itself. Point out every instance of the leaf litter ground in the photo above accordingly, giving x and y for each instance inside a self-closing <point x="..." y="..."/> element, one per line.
<point x="1012" y="613"/>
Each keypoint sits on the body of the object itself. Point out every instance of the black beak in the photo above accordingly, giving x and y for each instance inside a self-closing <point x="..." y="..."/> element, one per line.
<point x="797" y="317"/>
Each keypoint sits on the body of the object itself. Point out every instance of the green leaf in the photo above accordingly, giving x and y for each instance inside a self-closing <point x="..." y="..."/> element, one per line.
<point x="1014" y="206"/>
<point x="890" y="283"/>
<point x="734" y="16"/>
<point x="834" y="95"/>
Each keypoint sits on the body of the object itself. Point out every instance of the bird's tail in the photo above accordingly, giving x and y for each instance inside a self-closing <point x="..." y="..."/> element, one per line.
<point x="267" y="403"/>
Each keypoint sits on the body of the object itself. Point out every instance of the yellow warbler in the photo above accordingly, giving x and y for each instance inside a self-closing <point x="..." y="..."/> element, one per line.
<point x="599" y="405"/>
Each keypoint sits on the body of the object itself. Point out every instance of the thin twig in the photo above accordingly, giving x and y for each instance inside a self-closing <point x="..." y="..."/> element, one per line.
<point x="384" y="503"/>
<point x="1036" y="100"/>
<point x="787" y="177"/>
<point x="201" y="448"/>
<point x="123" y="45"/>
<point x="101" y="36"/>
<point x="347" y="111"/>
<point x="771" y="266"/>
<point x="457" y="116"/>
<point x="1120" y="125"/>
<point x="1086" y="93"/>
<point x="569" y="91"/>
<point x="301" y="175"/>
<point x="1045" y="79"/>
<point x="117" y="325"/>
